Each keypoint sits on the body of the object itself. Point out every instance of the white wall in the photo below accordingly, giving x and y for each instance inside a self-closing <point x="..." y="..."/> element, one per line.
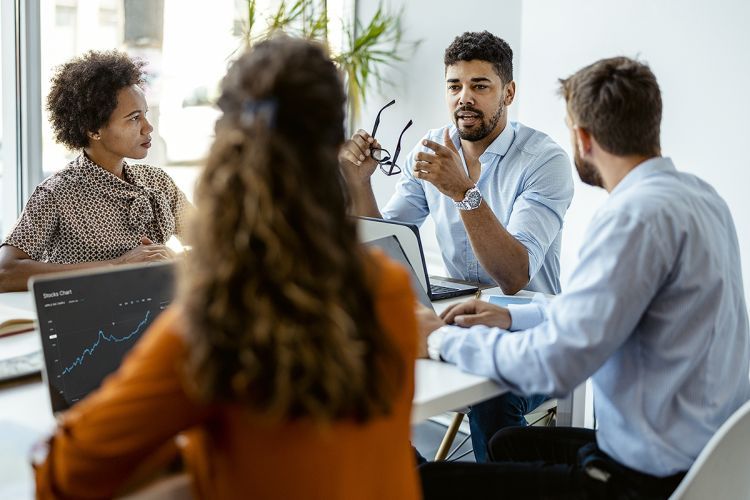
<point x="699" y="53"/>
<point x="418" y="83"/>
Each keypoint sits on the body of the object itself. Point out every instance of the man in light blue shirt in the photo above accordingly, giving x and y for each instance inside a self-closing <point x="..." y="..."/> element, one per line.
<point x="654" y="313"/>
<point x="497" y="190"/>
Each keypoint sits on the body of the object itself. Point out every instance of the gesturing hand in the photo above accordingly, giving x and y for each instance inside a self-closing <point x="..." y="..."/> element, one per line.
<point x="444" y="169"/>
<point x="147" y="251"/>
<point x="477" y="312"/>
<point x="355" y="159"/>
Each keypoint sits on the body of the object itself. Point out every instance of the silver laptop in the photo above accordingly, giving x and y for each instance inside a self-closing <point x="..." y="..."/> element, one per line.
<point x="408" y="236"/>
<point x="89" y="320"/>
<point x="393" y="249"/>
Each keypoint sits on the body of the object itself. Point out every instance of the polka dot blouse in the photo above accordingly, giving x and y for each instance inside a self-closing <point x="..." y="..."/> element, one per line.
<point x="84" y="213"/>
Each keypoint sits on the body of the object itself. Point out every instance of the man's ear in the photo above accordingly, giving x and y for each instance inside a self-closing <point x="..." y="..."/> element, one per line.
<point x="509" y="93"/>
<point x="94" y="136"/>
<point x="583" y="140"/>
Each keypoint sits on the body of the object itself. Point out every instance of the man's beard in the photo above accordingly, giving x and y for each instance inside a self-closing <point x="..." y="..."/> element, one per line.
<point x="587" y="171"/>
<point x="478" y="132"/>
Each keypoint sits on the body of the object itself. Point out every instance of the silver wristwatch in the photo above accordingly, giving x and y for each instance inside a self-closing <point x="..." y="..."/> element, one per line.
<point x="472" y="200"/>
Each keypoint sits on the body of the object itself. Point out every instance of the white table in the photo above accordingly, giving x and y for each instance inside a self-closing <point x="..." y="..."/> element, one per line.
<point x="26" y="415"/>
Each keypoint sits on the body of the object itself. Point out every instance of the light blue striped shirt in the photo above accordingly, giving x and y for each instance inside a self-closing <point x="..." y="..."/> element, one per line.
<point x="526" y="180"/>
<point x="655" y="313"/>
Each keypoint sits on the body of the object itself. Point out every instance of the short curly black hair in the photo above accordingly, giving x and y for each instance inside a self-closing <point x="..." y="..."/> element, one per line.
<point x="482" y="46"/>
<point x="84" y="93"/>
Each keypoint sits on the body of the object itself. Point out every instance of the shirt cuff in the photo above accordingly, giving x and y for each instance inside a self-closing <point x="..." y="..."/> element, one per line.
<point x="525" y="316"/>
<point x="435" y="342"/>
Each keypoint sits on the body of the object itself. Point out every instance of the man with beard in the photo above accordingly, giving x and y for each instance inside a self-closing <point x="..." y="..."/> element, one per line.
<point x="654" y="313"/>
<point x="497" y="190"/>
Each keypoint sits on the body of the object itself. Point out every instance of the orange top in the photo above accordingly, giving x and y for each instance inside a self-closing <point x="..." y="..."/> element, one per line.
<point x="231" y="452"/>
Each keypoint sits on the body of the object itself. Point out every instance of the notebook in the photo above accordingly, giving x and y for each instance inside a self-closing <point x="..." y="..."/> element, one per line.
<point x="408" y="236"/>
<point x="393" y="249"/>
<point x="89" y="320"/>
<point x="15" y="320"/>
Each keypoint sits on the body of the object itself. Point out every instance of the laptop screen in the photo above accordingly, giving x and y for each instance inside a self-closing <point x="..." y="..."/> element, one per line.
<point x="392" y="248"/>
<point x="88" y="321"/>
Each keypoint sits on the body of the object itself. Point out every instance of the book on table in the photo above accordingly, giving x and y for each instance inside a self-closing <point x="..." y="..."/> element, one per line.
<point x="15" y="320"/>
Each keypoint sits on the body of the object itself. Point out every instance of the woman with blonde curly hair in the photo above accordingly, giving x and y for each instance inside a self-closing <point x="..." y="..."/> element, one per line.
<point x="287" y="360"/>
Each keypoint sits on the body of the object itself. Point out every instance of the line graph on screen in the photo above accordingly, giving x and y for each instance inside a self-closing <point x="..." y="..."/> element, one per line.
<point x="103" y="337"/>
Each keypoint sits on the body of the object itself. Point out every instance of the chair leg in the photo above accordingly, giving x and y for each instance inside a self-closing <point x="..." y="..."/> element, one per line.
<point x="450" y="435"/>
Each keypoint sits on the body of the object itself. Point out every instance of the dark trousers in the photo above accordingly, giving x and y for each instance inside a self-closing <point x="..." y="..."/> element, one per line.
<point x="543" y="462"/>
<point x="488" y="417"/>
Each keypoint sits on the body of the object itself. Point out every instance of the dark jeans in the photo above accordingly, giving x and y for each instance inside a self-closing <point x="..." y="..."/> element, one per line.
<point x="488" y="417"/>
<point x="543" y="462"/>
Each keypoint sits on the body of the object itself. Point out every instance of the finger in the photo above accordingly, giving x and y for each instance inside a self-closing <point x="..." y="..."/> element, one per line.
<point x="350" y="157"/>
<point x="468" y="307"/>
<point x="448" y="313"/>
<point x="448" y="142"/>
<point x="426" y="157"/>
<point x="146" y="241"/>
<point x="362" y="147"/>
<point x="423" y="174"/>
<point x="437" y="148"/>
<point x="157" y="256"/>
<point x="365" y="135"/>
<point x="469" y="320"/>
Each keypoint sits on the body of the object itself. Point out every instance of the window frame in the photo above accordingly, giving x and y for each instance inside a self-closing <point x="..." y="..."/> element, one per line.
<point x="21" y="115"/>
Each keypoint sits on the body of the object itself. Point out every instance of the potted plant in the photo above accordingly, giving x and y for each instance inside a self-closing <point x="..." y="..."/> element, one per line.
<point x="366" y="48"/>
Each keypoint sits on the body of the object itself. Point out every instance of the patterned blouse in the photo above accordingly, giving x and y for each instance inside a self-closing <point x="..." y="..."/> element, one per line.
<point x="85" y="213"/>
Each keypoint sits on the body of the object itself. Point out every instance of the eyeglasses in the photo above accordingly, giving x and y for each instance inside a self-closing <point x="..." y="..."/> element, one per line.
<point x="382" y="156"/>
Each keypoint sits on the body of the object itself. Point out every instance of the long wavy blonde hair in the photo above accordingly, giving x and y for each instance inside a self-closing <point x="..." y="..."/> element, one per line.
<point x="280" y="313"/>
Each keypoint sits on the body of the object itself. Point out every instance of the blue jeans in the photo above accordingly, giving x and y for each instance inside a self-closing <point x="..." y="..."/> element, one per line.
<point x="488" y="417"/>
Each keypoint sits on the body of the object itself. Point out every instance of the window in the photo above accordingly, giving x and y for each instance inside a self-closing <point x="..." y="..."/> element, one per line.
<point x="187" y="44"/>
<point x="2" y="153"/>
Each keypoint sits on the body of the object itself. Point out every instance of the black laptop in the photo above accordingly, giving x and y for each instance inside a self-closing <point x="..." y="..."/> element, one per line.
<point x="88" y="320"/>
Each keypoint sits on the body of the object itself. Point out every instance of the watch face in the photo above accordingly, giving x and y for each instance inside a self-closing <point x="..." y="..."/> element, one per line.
<point x="473" y="198"/>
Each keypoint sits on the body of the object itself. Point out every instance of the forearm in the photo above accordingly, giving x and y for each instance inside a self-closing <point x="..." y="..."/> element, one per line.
<point x="15" y="274"/>
<point x="500" y="254"/>
<point x="363" y="200"/>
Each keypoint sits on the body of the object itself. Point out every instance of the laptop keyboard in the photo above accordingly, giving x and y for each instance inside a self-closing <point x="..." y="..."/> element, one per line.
<point x="440" y="290"/>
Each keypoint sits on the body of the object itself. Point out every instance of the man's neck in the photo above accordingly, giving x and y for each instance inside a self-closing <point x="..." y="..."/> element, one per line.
<point x="474" y="149"/>
<point x="617" y="167"/>
<point x="108" y="162"/>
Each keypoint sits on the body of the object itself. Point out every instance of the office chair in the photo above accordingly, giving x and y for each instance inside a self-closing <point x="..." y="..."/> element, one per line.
<point x="720" y="472"/>
<point x="548" y="409"/>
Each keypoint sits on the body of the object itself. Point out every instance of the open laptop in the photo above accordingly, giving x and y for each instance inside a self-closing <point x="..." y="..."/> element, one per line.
<point x="88" y="320"/>
<point x="408" y="236"/>
<point x="393" y="249"/>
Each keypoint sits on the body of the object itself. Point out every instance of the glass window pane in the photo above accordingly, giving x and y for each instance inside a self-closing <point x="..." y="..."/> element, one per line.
<point x="2" y="162"/>
<point x="187" y="45"/>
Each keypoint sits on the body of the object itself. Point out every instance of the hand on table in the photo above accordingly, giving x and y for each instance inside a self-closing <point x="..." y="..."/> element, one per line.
<point x="427" y="322"/>
<point x="477" y="312"/>
<point x="147" y="251"/>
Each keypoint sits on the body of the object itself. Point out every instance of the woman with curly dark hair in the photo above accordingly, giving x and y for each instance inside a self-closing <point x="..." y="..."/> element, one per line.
<point x="288" y="357"/>
<point x="99" y="209"/>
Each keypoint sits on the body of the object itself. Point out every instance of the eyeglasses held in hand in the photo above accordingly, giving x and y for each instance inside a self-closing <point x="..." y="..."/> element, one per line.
<point x="387" y="163"/>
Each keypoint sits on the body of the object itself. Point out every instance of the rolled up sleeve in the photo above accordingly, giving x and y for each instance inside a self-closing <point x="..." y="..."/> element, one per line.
<point x="538" y="211"/>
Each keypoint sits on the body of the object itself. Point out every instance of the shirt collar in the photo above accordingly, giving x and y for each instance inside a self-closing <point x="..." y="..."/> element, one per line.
<point x="107" y="178"/>
<point x="643" y="170"/>
<point x="498" y="147"/>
